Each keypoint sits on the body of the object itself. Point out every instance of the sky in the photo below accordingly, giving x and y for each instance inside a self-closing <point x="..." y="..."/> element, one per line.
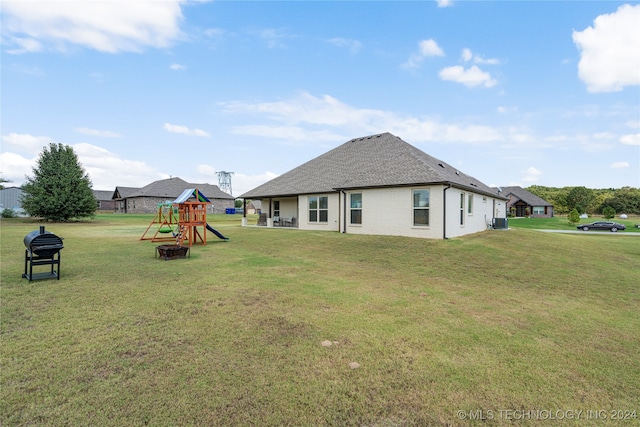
<point x="510" y="92"/>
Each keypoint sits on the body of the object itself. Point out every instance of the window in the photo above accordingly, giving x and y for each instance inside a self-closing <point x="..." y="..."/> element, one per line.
<point x="461" y="208"/>
<point x="356" y="208"/>
<point x="318" y="209"/>
<point x="276" y="208"/>
<point x="470" y="204"/>
<point x="421" y="207"/>
<point x="538" y="210"/>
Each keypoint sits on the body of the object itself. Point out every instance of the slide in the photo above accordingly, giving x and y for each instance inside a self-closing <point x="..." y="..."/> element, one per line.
<point x="216" y="232"/>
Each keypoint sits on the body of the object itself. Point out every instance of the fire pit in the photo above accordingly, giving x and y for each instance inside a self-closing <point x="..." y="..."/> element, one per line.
<point x="168" y="252"/>
<point x="43" y="248"/>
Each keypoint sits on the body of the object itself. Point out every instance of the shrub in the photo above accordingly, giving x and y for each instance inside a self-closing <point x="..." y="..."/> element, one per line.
<point x="608" y="212"/>
<point x="8" y="213"/>
<point x="574" y="216"/>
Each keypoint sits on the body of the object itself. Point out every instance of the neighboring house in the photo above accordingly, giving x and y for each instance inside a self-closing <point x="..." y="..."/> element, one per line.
<point x="254" y="207"/>
<point x="146" y="199"/>
<point x="105" y="201"/>
<point x="120" y="196"/>
<point x="379" y="185"/>
<point x="10" y="199"/>
<point x="523" y="203"/>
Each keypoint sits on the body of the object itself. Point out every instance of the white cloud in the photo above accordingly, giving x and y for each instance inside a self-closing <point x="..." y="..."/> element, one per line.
<point x="633" y="124"/>
<point x="426" y="48"/>
<point x="274" y="37"/>
<point x="610" y="51"/>
<point x="531" y="174"/>
<point x="619" y="165"/>
<point x="473" y="76"/>
<point x="631" y="139"/>
<point x="102" y="166"/>
<point x="99" y="133"/>
<point x="177" y="67"/>
<point x="15" y="167"/>
<point x="444" y="3"/>
<point x="25" y="143"/>
<point x="467" y="56"/>
<point x="352" y="45"/>
<point x="327" y="119"/>
<point x="106" y="26"/>
<point x="184" y="130"/>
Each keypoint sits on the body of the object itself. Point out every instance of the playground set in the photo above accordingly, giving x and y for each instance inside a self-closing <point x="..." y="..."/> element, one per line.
<point x="182" y="220"/>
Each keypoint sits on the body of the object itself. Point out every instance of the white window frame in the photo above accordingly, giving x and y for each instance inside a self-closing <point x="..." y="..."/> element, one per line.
<point x="426" y="207"/>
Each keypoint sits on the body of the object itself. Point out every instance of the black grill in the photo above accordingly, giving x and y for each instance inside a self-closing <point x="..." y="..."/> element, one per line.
<point x="43" y="248"/>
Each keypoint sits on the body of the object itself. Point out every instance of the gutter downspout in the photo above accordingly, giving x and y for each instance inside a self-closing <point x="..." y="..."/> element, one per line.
<point x="444" y="212"/>
<point x="344" y="211"/>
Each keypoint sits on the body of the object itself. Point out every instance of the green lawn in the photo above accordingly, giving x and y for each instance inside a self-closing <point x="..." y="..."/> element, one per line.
<point x="561" y="223"/>
<point x="514" y="320"/>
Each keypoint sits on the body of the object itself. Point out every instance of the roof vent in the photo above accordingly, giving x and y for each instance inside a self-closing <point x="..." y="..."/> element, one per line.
<point x="458" y="173"/>
<point x="441" y="165"/>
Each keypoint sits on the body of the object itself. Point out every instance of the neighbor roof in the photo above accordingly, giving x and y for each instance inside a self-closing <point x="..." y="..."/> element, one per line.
<point x="123" y="192"/>
<point x="382" y="160"/>
<point x="525" y="195"/>
<point x="171" y="188"/>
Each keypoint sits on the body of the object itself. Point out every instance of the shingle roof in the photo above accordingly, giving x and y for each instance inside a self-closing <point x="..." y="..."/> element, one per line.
<point x="102" y="194"/>
<point x="171" y="188"/>
<point x="123" y="192"/>
<point x="526" y="196"/>
<point x="382" y="160"/>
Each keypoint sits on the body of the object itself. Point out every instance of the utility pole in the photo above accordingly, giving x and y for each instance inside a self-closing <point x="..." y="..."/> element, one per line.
<point x="224" y="181"/>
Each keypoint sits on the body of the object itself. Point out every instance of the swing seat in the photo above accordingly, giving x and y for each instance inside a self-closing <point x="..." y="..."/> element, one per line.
<point x="165" y="230"/>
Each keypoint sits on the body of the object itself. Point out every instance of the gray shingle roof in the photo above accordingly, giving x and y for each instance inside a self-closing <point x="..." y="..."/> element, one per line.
<point x="526" y="196"/>
<point x="123" y="192"/>
<point x="171" y="188"/>
<point x="382" y="160"/>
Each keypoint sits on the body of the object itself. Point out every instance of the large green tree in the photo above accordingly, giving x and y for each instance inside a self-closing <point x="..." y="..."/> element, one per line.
<point x="60" y="189"/>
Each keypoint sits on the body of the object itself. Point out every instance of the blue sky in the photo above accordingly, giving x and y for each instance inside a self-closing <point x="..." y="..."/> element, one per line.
<point x="510" y="92"/>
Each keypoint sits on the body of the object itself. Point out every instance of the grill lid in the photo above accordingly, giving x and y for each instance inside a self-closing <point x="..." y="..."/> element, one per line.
<point x="41" y="239"/>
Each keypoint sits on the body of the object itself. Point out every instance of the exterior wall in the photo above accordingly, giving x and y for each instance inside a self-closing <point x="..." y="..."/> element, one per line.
<point x="484" y="209"/>
<point x="389" y="211"/>
<point x="332" y="223"/>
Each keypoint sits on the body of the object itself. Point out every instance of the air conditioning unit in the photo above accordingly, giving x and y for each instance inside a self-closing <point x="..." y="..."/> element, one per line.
<point x="500" y="223"/>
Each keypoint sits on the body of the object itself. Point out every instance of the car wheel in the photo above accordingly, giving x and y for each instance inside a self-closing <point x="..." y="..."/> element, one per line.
<point x="585" y="228"/>
<point x="614" y="229"/>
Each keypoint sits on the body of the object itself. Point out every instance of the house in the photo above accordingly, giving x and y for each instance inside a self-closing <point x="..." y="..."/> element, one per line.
<point x="105" y="201"/>
<point x="524" y="203"/>
<point x="381" y="185"/>
<point x="147" y="198"/>
<point x="120" y="196"/>
<point x="254" y="207"/>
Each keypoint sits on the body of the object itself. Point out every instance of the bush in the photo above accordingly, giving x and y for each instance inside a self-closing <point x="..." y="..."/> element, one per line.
<point x="608" y="212"/>
<point x="8" y="213"/>
<point x="574" y="216"/>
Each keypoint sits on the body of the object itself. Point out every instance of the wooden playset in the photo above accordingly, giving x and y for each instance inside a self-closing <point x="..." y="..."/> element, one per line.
<point x="181" y="220"/>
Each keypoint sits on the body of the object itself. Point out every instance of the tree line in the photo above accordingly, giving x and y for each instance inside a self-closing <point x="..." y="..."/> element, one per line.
<point x="590" y="201"/>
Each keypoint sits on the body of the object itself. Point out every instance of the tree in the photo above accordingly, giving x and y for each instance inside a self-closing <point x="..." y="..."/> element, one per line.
<point x="2" y="181"/>
<point x="574" y="217"/>
<point x="60" y="188"/>
<point x="579" y="197"/>
<point x="608" y="212"/>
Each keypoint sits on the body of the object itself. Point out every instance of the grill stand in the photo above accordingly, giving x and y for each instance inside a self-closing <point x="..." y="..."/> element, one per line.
<point x="31" y="259"/>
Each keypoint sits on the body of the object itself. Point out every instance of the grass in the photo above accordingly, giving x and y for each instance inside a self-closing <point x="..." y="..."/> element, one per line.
<point x="561" y="223"/>
<point x="500" y="320"/>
